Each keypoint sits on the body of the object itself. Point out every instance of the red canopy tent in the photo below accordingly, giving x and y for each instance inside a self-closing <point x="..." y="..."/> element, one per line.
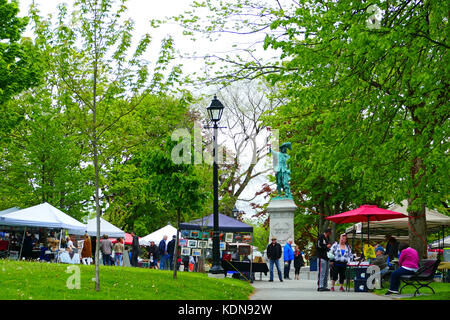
<point x="128" y="239"/>
<point x="366" y="213"/>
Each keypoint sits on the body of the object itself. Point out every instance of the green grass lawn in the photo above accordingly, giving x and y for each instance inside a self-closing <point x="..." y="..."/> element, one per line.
<point x="44" y="281"/>
<point x="442" y="292"/>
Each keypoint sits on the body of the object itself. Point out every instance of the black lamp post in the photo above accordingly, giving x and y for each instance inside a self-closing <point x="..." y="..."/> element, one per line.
<point x="215" y="111"/>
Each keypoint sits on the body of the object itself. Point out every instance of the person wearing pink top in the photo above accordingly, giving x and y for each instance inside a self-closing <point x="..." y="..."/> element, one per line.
<point x="408" y="264"/>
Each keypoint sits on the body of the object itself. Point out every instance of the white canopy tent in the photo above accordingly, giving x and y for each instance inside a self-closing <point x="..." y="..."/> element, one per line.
<point x="158" y="235"/>
<point x="42" y="215"/>
<point x="399" y="227"/>
<point x="441" y="243"/>
<point x="105" y="228"/>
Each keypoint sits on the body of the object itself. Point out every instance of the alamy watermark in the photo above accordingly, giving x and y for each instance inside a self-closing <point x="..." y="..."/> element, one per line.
<point x="374" y="20"/>
<point x="74" y="281"/>
<point x="191" y="149"/>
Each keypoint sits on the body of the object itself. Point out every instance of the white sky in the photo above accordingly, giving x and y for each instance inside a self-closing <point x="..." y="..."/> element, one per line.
<point x="141" y="11"/>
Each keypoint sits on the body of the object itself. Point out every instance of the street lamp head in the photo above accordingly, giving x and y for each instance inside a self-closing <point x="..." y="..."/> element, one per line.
<point x="235" y="212"/>
<point x="215" y="110"/>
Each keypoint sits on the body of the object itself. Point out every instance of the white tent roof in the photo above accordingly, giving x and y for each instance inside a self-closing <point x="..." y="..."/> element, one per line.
<point x="105" y="228"/>
<point x="400" y="226"/>
<point x="158" y="235"/>
<point x="3" y="212"/>
<point x="438" y="243"/>
<point x="43" y="215"/>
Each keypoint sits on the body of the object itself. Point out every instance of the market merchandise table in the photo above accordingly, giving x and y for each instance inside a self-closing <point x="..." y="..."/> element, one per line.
<point x="354" y="268"/>
<point x="244" y="267"/>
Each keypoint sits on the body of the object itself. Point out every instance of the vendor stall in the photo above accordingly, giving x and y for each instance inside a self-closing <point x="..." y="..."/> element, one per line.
<point x="35" y="219"/>
<point x="236" y="240"/>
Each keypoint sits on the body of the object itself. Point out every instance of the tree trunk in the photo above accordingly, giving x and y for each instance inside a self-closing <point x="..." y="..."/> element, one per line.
<point x="417" y="230"/>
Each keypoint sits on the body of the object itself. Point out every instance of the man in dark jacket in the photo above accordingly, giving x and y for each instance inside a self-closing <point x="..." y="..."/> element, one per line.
<point x="274" y="254"/>
<point x="134" y="249"/>
<point x="323" y="246"/>
<point x="170" y="250"/>
<point x="164" y="263"/>
<point x="153" y="254"/>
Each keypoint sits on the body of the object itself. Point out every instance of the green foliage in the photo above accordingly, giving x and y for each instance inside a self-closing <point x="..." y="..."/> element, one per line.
<point x="43" y="161"/>
<point x="176" y="185"/>
<point x="21" y="64"/>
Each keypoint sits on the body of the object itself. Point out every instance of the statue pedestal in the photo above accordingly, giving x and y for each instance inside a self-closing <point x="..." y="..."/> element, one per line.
<point x="281" y="213"/>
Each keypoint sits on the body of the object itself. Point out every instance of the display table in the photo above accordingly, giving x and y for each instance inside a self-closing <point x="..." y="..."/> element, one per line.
<point x="356" y="271"/>
<point x="244" y="267"/>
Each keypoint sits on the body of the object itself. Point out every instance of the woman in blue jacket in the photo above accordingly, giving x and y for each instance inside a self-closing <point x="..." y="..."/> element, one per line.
<point x="288" y="254"/>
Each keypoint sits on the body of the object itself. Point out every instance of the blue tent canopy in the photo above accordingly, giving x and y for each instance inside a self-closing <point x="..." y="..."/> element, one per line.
<point x="226" y="224"/>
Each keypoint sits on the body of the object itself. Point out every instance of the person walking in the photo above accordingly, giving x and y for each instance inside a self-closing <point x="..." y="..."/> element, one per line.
<point x="342" y="255"/>
<point x="288" y="255"/>
<point x="118" y="252"/>
<point x="170" y="251"/>
<point x="274" y="254"/>
<point x="134" y="249"/>
<point x="106" y="248"/>
<point x="323" y="246"/>
<point x="298" y="262"/>
<point x="408" y="264"/>
<point x="163" y="265"/>
<point x="86" y="252"/>
<point x="153" y="254"/>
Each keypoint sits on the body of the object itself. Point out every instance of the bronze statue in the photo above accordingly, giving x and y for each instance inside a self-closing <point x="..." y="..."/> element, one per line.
<point x="282" y="171"/>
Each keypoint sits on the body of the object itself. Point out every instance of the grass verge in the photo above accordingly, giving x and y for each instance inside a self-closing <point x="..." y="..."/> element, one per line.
<point x="49" y="281"/>
<point x="442" y="292"/>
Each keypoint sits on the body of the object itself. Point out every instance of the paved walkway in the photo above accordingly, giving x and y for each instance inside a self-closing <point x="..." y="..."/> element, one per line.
<point x="303" y="289"/>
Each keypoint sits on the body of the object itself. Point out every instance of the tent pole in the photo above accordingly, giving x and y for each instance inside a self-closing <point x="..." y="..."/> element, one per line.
<point x="23" y="239"/>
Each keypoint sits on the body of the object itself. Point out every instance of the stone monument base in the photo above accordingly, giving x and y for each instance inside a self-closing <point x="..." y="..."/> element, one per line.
<point x="281" y="212"/>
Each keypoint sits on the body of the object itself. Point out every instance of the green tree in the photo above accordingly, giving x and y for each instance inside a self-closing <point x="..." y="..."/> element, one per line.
<point x="20" y="64"/>
<point x="91" y="53"/>
<point x="175" y="185"/>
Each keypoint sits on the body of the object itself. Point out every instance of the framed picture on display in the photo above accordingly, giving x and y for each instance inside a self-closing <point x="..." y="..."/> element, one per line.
<point x="223" y="245"/>
<point x="229" y="237"/>
<point x="247" y="238"/>
<point x="183" y="242"/>
<point x="194" y="234"/>
<point x="244" y="250"/>
<point x="204" y="235"/>
<point x="232" y="247"/>
<point x="202" y="244"/>
<point x="185" y="251"/>
<point x="192" y="243"/>
<point x="185" y="233"/>
<point x="196" y="252"/>
<point x="210" y="243"/>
